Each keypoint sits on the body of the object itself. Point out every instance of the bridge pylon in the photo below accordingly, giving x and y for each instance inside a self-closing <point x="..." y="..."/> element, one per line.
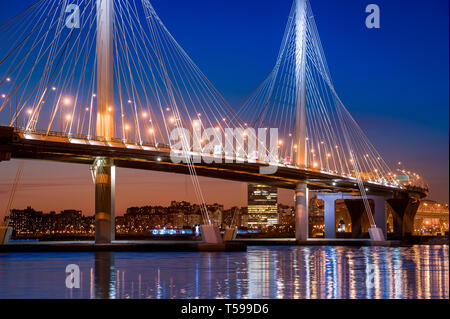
<point x="104" y="170"/>
<point x="300" y="75"/>
<point x="105" y="66"/>
<point x="301" y="193"/>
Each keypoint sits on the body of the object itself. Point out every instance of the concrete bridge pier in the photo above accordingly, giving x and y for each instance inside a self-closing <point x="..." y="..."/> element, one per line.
<point x="104" y="174"/>
<point x="355" y="206"/>
<point x="360" y="221"/>
<point x="403" y="210"/>
<point x="380" y="213"/>
<point x="329" y="204"/>
<point x="301" y="212"/>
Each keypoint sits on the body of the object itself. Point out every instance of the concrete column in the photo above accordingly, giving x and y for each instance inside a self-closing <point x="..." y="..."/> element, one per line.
<point x="329" y="204"/>
<point x="301" y="212"/>
<point x="105" y="181"/>
<point x="380" y="213"/>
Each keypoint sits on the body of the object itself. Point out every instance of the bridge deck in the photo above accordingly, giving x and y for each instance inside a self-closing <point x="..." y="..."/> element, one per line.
<point x="84" y="151"/>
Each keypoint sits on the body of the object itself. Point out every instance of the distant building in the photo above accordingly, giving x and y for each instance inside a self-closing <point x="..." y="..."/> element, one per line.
<point x="262" y="206"/>
<point x="316" y="217"/>
<point x="431" y="218"/>
<point x="178" y="215"/>
<point x="286" y="218"/>
<point x="26" y="221"/>
<point x="235" y="217"/>
<point x="29" y="221"/>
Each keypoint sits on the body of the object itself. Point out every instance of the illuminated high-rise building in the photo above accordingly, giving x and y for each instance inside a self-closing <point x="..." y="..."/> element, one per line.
<point x="262" y="205"/>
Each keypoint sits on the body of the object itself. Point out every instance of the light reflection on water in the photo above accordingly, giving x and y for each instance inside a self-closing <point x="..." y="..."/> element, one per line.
<point x="275" y="272"/>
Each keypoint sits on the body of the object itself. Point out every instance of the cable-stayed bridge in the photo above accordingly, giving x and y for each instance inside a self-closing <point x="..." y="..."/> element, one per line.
<point x="104" y="83"/>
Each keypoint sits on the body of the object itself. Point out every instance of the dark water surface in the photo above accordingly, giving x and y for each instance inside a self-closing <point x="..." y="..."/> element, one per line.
<point x="261" y="272"/>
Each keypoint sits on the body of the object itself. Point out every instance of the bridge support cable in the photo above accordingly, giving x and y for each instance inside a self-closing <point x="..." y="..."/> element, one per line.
<point x="323" y="135"/>
<point x="15" y="184"/>
<point x="277" y="102"/>
<point x="57" y="67"/>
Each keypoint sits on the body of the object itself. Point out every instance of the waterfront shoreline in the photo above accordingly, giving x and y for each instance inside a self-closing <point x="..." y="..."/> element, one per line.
<point x="239" y="245"/>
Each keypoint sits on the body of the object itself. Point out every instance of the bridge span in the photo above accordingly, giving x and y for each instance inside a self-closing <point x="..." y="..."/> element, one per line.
<point x="60" y="148"/>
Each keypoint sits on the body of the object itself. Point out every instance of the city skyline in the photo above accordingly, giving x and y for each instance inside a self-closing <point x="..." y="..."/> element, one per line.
<point x="431" y="219"/>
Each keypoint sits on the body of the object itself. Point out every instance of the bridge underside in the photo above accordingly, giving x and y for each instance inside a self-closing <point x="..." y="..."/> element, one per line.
<point x="15" y="145"/>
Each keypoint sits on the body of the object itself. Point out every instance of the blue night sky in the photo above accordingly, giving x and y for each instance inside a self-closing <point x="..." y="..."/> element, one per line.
<point x="393" y="80"/>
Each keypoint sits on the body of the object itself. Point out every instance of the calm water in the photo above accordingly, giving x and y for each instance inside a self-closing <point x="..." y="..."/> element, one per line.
<point x="275" y="272"/>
